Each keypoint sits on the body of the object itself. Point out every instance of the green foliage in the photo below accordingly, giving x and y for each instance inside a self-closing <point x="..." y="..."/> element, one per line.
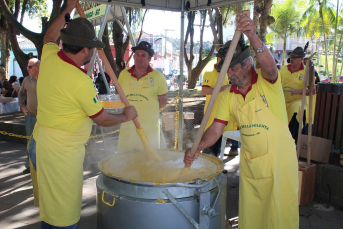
<point x="36" y="8"/>
<point x="287" y="16"/>
<point x="320" y="65"/>
<point x="206" y="52"/>
<point x="322" y="72"/>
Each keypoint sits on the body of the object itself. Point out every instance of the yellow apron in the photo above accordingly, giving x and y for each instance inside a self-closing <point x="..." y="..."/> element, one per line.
<point x="293" y="102"/>
<point x="268" y="192"/>
<point x="33" y="173"/>
<point x="60" y="156"/>
<point x="140" y="95"/>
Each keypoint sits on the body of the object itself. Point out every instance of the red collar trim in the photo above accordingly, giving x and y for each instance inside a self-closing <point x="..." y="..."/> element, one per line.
<point x="132" y="69"/>
<point x="235" y="90"/>
<point x="69" y="61"/>
<point x="301" y="68"/>
<point x="215" y="67"/>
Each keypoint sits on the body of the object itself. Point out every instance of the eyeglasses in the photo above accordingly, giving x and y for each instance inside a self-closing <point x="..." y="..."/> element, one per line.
<point x="29" y="67"/>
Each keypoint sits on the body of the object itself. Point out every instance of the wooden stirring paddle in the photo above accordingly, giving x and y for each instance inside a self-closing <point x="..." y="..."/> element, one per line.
<point x="216" y="90"/>
<point x="151" y="152"/>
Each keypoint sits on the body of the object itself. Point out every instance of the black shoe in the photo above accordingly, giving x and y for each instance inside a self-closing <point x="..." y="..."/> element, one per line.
<point x="27" y="170"/>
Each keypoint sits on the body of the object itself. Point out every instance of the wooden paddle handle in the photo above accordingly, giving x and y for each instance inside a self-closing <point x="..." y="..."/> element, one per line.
<point x="307" y="72"/>
<point x="216" y="90"/>
<point x="309" y="136"/>
<point x="110" y="71"/>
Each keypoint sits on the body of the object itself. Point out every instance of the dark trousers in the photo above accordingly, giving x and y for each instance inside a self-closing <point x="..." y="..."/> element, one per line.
<point x="215" y="148"/>
<point x="294" y="126"/>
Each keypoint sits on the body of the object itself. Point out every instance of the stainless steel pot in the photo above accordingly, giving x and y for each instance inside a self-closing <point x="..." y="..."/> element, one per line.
<point x="122" y="203"/>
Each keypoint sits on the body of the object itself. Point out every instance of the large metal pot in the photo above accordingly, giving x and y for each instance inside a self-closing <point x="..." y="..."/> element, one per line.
<point x="123" y="203"/>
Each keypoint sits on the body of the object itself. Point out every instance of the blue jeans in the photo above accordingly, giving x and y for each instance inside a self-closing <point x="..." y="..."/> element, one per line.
<point x="30" y="121"/>
<point x="45" y="225"/>
<point x="32" y="152"/>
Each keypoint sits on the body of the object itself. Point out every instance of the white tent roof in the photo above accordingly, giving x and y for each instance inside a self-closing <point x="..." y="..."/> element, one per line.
<point x="169" y="5"/>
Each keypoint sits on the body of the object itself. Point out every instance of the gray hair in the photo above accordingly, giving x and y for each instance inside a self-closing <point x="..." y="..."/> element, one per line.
<point x="35" y="61"/>
<point x="16" y="84"/>
<point x="244" y="62"/>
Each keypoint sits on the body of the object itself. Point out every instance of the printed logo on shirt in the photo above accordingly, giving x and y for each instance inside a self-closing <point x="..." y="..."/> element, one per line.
<point x="96" y="99"/>
<point x="300" y="77"/>
<point x="206" y="81"/>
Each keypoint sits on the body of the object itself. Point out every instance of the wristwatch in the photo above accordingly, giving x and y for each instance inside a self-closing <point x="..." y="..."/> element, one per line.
<point x="260" y="50"/>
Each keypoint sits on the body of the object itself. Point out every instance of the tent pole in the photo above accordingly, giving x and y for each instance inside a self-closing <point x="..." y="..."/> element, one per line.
<point x="182" y="44"/>
<point x="101" y="32"/>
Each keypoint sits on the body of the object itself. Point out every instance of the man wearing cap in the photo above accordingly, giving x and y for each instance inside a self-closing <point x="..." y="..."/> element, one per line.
<point x="146" y="89"/>
<point x="292" y="79"/>
<point x="67" y="105"/>
<point x="268" y="181"/>
<point x="209" y="82"/>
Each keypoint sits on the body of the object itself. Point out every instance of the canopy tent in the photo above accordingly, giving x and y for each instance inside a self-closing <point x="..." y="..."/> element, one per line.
<point x="169" y="5"/>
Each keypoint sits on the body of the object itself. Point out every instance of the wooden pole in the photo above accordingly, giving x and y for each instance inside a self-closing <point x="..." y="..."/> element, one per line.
<point x="303" y="103"/>
<point x="309" y="136"/>
<point x="216" y="90"/>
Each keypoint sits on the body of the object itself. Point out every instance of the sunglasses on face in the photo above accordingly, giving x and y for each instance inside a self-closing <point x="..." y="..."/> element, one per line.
<point x="29" y="67"/>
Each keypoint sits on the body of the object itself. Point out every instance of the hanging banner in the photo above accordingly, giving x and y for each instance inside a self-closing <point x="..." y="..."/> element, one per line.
<point x="93" y="11"/>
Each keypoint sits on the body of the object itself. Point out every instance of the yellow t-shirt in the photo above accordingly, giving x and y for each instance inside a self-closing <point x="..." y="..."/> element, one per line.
<point x="209" y="80"/>
<point x="291" y="80"/>
<point x="143" y="95"/>
<point x="66" y="95"/>
<point x="271" y="94"/>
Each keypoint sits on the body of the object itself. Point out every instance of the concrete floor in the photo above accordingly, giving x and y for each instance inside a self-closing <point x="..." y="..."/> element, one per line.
<point x="16" y="198"/>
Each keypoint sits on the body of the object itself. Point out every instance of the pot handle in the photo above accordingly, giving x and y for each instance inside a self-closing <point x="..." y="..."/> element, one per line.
<point x="108" y="204"/>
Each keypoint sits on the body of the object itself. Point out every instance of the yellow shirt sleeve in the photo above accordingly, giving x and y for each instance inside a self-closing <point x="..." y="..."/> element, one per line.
<point x="162" y="85"/>
<point x="88" y="99"/>
<point x="224" y="109"/>
<point x="208" y="81"/>
<point x="48" y="49"/>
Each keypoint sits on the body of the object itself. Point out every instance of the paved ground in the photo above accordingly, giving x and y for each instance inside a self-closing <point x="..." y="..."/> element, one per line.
<point x="16" y="198"/>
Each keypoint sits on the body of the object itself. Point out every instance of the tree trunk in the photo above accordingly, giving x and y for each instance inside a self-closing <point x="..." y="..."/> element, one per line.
<point x="118" y="44"/>
<point x="19" y="55"/>
<point x="108" y="51"/>
<point x="5" y="55"/>
<point x="190" y="33"/>
<point x="264" y="15"/>
<point x="213" y="28"/>
<point x="195" y="72"/>
<point x="219" y="26"/>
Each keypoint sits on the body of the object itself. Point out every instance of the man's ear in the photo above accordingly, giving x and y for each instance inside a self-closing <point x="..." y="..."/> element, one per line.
<point x="86" y="50"/>
<point x="249" y="64"/>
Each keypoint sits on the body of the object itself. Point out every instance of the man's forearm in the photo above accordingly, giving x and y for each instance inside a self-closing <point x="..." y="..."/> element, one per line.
<point x="54" y="30"/>
<point x="211" y="135"/>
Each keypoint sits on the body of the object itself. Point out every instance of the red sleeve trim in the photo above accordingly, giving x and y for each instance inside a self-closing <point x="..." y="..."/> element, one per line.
<point x="50" y="42"/>
<point x="221" y="121"/>
<point x="163" y="94"/>
<point x="97" y="114"/>
<point x="205" y="86"/>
